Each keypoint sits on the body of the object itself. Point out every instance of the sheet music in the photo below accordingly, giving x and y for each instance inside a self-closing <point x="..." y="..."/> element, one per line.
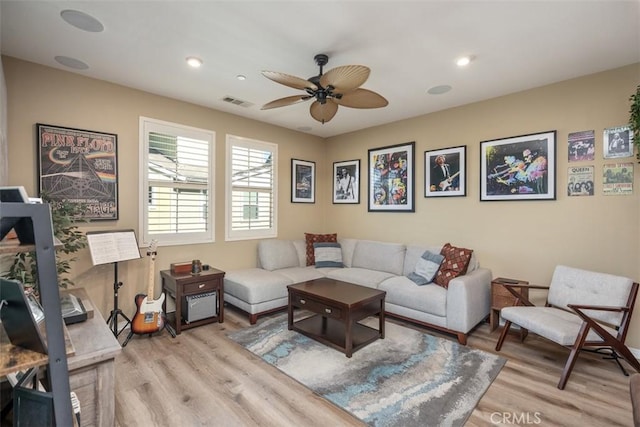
<point x="112" y="246"/>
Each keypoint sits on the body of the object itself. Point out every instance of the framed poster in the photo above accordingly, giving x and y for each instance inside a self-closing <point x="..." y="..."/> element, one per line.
<point x="617" y="179"/>
<point x="303" y="181"/>
<point x="79" y="166"/>
<point x="391" y="178"/>
<point x="519" y="167"/>
<point x="445" y="172"/>
<point x="581" y="146"/>
<point x="580" y="181"/>
<point x="617" y="142"/>
<point x="346" y="182"/>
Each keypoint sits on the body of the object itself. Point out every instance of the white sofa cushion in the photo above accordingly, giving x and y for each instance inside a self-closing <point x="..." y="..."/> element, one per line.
<point x="275" y="254"/>
<point x="379" y="256"/>
<point x="301" y="250"/>
<point x="402" y="291"/>
<point x="302" y="274"/>
<point x="348" y="247"/>
<point x="359" y="276"/>
<point x="255" y="285"/>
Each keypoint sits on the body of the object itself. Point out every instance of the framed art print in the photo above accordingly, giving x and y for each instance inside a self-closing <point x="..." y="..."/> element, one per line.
<point x="519" y="167"/>
<point x="346" y="182"/>
<point x="80" y="167"/>
<point x="391" y="178"/>
<point x="303" y="181"/>
<point x="617" y="142"/>
<point x="445" y="172"/>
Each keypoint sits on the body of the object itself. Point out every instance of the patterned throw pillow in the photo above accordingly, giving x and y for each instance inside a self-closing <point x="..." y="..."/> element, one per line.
<point x="456" y="261"/>
<point x="426" y="268"/>
<point x="328" y="255"/>
<point x="317" y="238"/>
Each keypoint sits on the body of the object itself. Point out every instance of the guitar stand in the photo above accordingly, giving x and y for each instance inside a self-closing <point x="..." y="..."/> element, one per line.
<point x="166" y="326"/>
<point x="112" y="321"/>
<point x="609" y="354"/>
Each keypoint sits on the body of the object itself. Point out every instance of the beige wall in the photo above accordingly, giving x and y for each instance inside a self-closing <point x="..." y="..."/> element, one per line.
<point x="524" y="239"/>
<point x="516" y="239"/>
<point x="38" y="94"/>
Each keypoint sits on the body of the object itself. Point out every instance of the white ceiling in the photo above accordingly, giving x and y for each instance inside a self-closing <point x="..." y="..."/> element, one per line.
<point x="410" y="46"/>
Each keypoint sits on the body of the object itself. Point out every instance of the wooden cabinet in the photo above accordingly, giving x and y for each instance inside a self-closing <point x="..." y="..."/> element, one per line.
<point x="501" y="297"/>
<point x="180" y="286"/>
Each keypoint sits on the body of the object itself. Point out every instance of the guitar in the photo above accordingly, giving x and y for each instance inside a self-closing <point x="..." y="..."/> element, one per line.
<point x="447" y="182"/>
<point x="149" y="317"/>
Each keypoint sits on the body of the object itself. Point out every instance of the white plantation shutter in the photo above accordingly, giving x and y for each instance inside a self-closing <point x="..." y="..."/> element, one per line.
<point x="178" y="183"/>
<point x="251" y="184"/>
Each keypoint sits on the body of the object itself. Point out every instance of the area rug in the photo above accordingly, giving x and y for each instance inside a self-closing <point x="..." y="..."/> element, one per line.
<point x="409" y="378"/>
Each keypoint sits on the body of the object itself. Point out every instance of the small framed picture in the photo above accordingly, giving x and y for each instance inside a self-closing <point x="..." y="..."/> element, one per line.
<point x="519" y="168"/>
<point x="391" y="178"/>
<point x="303" y="181"/>
<point x="445" y="172"/>
<point x="617" y="142"/>
<point x="346" y="182"/>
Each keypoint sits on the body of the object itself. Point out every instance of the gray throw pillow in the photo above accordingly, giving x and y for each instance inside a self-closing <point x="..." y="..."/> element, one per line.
<point x="426" y="268"/>
<point x="328" y="255"/>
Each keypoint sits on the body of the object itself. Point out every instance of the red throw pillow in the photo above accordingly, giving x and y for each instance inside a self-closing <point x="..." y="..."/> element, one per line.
<point x="455" y="263"/>
<point x="317" y="238"/>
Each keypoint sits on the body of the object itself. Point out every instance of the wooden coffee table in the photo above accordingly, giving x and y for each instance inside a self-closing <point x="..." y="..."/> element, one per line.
<point x="338" y="306"/>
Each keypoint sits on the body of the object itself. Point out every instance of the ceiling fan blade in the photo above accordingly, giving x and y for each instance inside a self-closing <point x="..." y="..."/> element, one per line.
<point x="323" y="112"/>
<point x="288" y="80"/>
<point x="283" y="102"/>
<point x="346" y="78"/>
<point x="362" y="98"/>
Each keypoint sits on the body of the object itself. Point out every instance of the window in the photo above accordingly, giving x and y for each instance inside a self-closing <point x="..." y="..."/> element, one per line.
<point x="177" y="199"/>
<point x="251" y="189"/>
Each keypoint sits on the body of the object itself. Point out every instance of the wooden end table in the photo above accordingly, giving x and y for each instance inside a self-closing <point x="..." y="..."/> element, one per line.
<point x="338" y="306"/>
<point x="180" y="286"/>
<point x="501" y="297"/>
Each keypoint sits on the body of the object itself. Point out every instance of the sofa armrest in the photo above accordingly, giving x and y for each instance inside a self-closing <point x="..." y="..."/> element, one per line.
<point x="468" y="300"/>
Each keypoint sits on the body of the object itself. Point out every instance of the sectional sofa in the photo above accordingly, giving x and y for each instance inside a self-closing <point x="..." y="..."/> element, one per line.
<point x="456" y="309"/>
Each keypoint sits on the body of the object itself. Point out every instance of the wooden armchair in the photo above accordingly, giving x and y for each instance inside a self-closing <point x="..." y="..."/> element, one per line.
<point x="583" y="309"/>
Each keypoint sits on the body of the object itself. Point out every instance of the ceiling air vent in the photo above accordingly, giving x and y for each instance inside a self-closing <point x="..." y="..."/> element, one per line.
<point x="236" y="101"/>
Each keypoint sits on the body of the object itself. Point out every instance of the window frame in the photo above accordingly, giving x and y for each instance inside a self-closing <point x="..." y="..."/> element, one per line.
<point x="231" y="235"/>
<point x="147" y="125"/>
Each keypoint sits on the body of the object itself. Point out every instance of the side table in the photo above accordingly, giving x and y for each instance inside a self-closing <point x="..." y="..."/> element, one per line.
<point x="179" y="286"/>
<point x="501" y="297"/>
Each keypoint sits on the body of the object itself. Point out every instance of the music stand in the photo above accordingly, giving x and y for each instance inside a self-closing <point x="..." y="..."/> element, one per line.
<point x="113" y="246"/>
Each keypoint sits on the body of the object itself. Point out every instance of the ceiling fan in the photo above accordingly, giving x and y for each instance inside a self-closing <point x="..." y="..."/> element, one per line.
<point x="339" y="86"/>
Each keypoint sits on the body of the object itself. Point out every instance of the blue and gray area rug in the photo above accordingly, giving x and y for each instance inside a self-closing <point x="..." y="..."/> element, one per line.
<point x="407" y="379"/>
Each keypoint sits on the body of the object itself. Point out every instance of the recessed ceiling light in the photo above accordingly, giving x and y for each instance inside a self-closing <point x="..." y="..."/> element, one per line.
<point x="304" y="128"/>
<point x="194" y="62"/>
<point x="241" y="77"/>
<point x="463" y="61"/>
<point x="76" y="64"/>
<point x="439" y="90"/>
<point x="82" y="21"/>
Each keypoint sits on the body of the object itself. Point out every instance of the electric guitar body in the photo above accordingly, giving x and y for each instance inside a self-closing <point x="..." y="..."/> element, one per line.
<point x="149" y="317"/>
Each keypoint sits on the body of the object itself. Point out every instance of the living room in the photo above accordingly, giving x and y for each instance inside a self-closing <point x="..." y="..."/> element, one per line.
<point x="518" y="239"/>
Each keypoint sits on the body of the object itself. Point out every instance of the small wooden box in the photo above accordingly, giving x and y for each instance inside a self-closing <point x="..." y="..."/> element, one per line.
<point x="181" y="267"/>
<point x="501" y="297"/>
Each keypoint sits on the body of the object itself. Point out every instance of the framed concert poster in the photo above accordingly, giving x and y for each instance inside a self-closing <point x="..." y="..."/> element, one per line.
<point x="80" y="167"/>
<point x="346" y="182"/>
<point x="391" y="178"/>
<point x="519" y="167"/>
<point x="445" y="172"/>
<point x="303" y="181"/>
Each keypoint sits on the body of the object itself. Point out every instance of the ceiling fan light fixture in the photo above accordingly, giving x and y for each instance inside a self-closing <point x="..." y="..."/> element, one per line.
<point x="194" y="61"/>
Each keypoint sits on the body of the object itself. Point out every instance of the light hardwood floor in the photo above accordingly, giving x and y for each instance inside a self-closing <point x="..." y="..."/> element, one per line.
<point x="201" y="378"/>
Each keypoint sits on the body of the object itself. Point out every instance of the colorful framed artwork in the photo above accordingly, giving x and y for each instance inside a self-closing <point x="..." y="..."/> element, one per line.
<point x="303" y="181"/>
<point x="346" y="182"/>
<point x="519" y="168"/>
<point x="80" y="167"/>
<point x="617" y="142"/>
<point x="445" y="172"/>
<point x="391" y="178"/>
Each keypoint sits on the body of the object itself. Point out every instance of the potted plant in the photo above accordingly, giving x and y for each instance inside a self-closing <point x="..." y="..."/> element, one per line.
<point x="634" y="120"/>
<point x="64" y="215"/>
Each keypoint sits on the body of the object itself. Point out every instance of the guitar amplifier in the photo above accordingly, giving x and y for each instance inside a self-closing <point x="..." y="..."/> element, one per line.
<point x="197" y="307"/>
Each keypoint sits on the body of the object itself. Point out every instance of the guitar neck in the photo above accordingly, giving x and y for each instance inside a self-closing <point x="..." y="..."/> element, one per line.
<point x="150" y="278"/>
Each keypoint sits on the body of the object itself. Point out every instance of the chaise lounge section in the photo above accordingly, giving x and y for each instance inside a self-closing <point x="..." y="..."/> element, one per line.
<point x="455" y="309"/>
